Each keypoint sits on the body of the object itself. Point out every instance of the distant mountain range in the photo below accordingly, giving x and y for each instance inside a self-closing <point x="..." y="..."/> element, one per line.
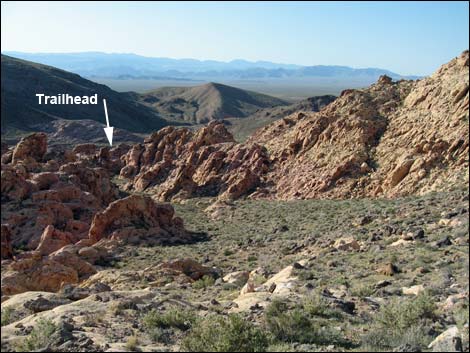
<point x="129" y="112"/>
<point x="132" y="66"/>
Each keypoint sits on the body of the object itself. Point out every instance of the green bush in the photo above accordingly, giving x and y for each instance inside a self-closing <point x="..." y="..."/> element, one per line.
<point x="302" y="324"/>
<point x="362" y="290"/>
<point x="7" y="315"/>
<point x="172" y="318"/>
<point x="132" y="344"/>
<point x="204" y="282"/>
<point x="225" y="334"/>
<point x="315" y="305"/>
<point x="400" y="323"/>
<point x="40" y="337"/>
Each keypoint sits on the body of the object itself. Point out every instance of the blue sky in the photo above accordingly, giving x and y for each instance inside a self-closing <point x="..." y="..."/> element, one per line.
<point x="408" y="38"/>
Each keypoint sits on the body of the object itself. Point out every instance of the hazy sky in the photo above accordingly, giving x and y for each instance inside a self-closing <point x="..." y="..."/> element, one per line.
<point x="408" y="38"/>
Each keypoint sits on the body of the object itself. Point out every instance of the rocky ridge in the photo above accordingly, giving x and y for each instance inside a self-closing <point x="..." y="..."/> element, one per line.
<point x="63" y="211"/>
<point x="388" y="140"/>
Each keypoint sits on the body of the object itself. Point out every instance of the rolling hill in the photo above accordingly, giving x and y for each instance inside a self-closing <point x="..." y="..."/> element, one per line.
<point x="22" y="80"/>
<point x="211" y="101"/>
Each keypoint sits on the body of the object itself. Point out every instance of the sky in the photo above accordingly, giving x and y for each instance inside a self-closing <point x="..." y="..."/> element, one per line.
<point x="410" y="38"/>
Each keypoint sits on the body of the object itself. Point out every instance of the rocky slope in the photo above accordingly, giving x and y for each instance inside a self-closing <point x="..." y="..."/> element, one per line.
<point x="92" y="261"/>
<point x="243" y="128"/>
<point x="62" y="210"/>
<point x="393" y="138"/>
<point x="304" y="275"/>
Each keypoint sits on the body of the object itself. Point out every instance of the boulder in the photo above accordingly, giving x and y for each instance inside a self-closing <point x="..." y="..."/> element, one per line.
<point x="448" y="341"/>
<point x="346" y="244"/>
<point x="53" y="239"/>
<point x="33" y="146"/>
<point x="238" y="278"/>
<point x="139" y="216"/>
<point x="388" y="269"/>
<point x="413" y="290"/>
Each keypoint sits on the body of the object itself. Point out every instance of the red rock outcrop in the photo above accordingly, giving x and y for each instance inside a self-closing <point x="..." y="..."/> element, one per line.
<point x="34" y="272"/>
<point x="53" y="240"/>
<point x="65" y="198"/>
<point x="393" y="138"/>
<point x="178" y="163"/>
<point x="136" y="218"/>
<point x="32" y="147"/>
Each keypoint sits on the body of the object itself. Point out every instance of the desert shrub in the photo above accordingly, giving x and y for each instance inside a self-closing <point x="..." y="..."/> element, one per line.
<point x="228" y="252"/>
<point x="302" y="323"/>
<point x="280" y="347"/>
<point x="158" y="334"/>
<point x="400" y="323"/>
<point x="172" y="318"/>
<point x="40" y="337"/>
<point x="362" y="290"/>
<point x="7" y="314"/>
<point x="132" y="343"/>
<point x="315" y="305"/>
<point x="225" y="334"/>
<point x="204" y="282"/>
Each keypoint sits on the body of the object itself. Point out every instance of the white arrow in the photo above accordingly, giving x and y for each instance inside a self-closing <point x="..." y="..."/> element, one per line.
<point x="108" y="129"/>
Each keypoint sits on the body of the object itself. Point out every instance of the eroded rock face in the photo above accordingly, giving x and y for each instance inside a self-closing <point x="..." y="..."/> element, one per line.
<point x="53" y="240"/>
<point x="57" y="206"/>
<point x="138" y="218"/>
<point x="391" y="139"/>
<point x="177" y="164"/>
<point x="32" y="147"/>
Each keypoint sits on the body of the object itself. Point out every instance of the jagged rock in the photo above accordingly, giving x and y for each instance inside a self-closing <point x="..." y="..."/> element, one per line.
<point x="177" y="163"/>
<point x="33" y="146"/>
<point x="34" y="272"/>
<point x="384" y="80"/>
<point x="53" y="240"/>
<point x="14" y="185"/>
<point x="139" y="216"/>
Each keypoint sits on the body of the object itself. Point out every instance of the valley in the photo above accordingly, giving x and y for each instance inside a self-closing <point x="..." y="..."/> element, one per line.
<point x="227" y="220"/>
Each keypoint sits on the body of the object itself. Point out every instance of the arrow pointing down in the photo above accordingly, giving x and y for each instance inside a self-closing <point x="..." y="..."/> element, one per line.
<point x="108" y="129"/>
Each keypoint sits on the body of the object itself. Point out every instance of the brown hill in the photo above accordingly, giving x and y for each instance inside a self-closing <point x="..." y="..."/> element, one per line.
<point x="22" y="80"/>
<point x="211" y="101"/>
<point x="393" y="138"/>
